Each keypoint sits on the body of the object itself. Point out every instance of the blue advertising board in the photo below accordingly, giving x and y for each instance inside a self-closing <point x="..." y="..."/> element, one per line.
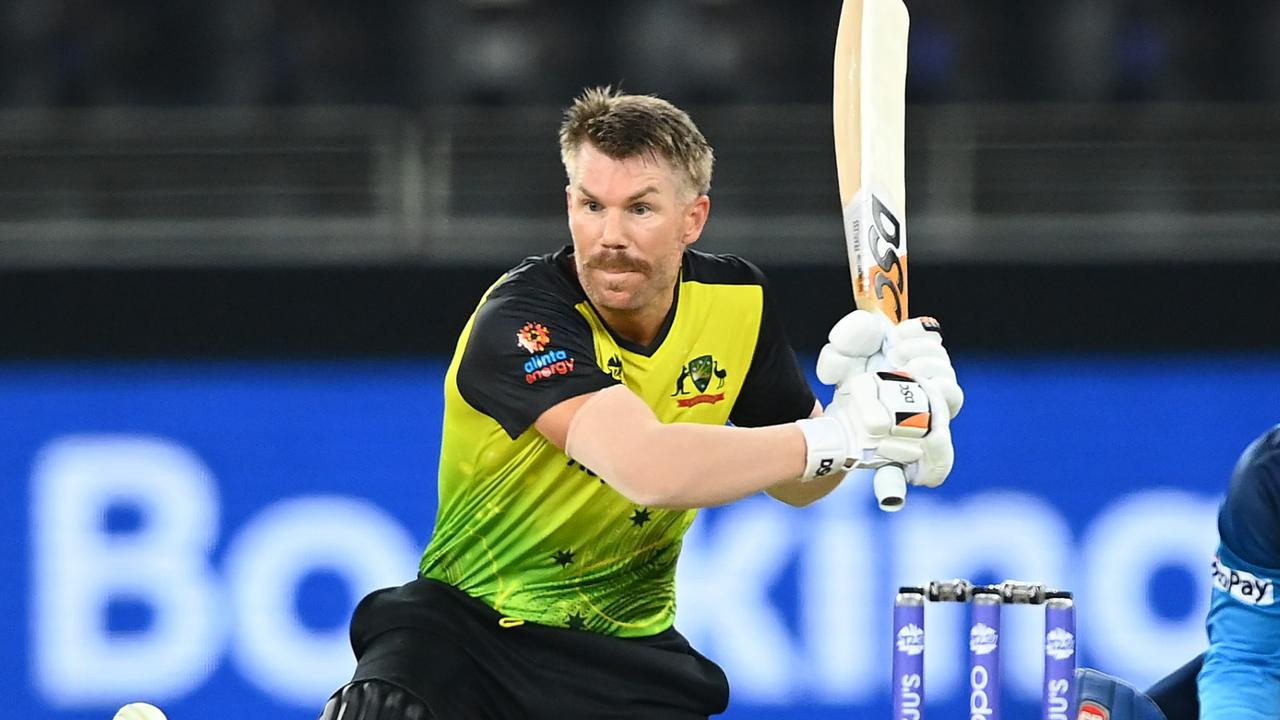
<point x="196" y="534"/>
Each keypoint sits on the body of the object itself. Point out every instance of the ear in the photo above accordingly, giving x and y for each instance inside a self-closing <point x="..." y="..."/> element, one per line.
<point x="695" y="218"/>
<point x="568" y="197"/>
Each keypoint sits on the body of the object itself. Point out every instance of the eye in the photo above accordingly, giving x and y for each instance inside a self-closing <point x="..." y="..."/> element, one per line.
<point x="591" y="205"/>
<point x="642" y="210"/>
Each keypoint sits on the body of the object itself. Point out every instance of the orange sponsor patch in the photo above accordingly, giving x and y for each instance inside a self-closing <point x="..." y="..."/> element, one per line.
<point x="919" y="420"/>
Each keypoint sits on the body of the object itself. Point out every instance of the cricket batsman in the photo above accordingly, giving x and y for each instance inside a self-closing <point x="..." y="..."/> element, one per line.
<point x="597" y="397"/>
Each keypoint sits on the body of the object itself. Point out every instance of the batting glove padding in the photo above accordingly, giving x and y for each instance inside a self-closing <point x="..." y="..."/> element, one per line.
<point x="891" y="382"/>
<point x="877" y="419"/>
<point x="915" y="346"/>
<point x="854" y="346"/>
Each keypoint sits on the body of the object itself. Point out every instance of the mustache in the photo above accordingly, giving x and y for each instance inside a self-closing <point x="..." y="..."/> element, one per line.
<point x="616" y="262"/>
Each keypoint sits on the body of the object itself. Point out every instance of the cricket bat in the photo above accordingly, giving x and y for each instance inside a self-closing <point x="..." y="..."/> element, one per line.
<point x="868" y="108"/>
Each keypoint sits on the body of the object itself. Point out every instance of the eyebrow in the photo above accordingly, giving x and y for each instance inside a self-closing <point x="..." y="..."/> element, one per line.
<point x="633" y="198"/>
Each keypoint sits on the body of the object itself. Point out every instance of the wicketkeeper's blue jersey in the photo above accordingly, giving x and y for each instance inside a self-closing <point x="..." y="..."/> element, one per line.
<point x="1241" y="674"/>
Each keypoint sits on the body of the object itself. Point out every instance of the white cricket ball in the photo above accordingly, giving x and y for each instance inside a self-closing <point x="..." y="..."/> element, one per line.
<point x="140" y="711"/>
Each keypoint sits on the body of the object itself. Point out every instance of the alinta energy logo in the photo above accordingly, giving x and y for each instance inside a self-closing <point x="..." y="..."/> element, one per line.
<point x="699" y="372"/>
<point x="548" y="364"/>
<point x="533" y="337"/>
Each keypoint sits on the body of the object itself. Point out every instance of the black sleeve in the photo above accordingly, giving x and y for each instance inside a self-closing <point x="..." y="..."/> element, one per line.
<point x="527" y="352"/>
<point x="775" y="390"/>
<point x="1176" y="695"/>
<point x="1247" y="519"/>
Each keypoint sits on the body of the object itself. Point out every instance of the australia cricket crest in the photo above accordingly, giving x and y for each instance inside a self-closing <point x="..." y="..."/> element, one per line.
<point x="699" y="372"/>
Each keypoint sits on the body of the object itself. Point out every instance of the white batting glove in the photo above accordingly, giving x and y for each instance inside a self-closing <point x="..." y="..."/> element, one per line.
<point x="877" y="419"/>
<point x="915" y="346"/>
<point x="937" y="455"/>
<point x="854" y="346"/>
<point x="875" y="427"/>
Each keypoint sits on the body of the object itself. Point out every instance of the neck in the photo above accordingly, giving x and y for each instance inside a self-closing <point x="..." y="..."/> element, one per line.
<point x="638" y="326"/>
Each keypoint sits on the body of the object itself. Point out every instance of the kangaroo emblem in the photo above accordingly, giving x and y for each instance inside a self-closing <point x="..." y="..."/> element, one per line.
<point x="684" y="375"/>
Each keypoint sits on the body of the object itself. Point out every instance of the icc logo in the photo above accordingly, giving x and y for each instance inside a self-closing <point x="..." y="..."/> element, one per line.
<point x="983" y="639"/>
<point x="614" y="367"/>
<point x="910" y="639"/>
<point x="1059" y="644"/>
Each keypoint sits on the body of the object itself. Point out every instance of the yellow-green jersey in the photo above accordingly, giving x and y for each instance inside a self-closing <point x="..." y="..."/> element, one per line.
<point x="522" y="526"/>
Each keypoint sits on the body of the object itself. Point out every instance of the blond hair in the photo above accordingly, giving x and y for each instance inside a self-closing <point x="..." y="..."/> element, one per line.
<point x="625" y="126"/>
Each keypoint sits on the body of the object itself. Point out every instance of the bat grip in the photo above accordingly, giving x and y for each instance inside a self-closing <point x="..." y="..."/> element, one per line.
<point x="890" y="486"/>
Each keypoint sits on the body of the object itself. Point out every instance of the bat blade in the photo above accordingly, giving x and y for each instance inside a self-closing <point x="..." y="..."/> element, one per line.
<point x="868" y="109"/>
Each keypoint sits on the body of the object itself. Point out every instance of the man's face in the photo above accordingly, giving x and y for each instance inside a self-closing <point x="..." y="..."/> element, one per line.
<point x="630" y="220"/>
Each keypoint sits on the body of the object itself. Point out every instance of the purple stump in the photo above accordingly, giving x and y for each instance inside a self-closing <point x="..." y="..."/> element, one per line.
<point x="1059" y="656"/>
<point x="984" y="654"/>
<point x="908" y="654"/>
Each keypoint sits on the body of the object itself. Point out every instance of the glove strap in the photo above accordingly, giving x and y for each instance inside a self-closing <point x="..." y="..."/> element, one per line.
<point x="826" y="448"/>
<point x="909" y="403"/>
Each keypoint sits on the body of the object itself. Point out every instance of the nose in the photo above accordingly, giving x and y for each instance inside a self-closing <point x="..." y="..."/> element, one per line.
<point x="612" y="235"/>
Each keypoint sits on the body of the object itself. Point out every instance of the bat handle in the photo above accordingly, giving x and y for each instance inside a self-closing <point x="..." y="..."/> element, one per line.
<point x="890" y="486"/>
